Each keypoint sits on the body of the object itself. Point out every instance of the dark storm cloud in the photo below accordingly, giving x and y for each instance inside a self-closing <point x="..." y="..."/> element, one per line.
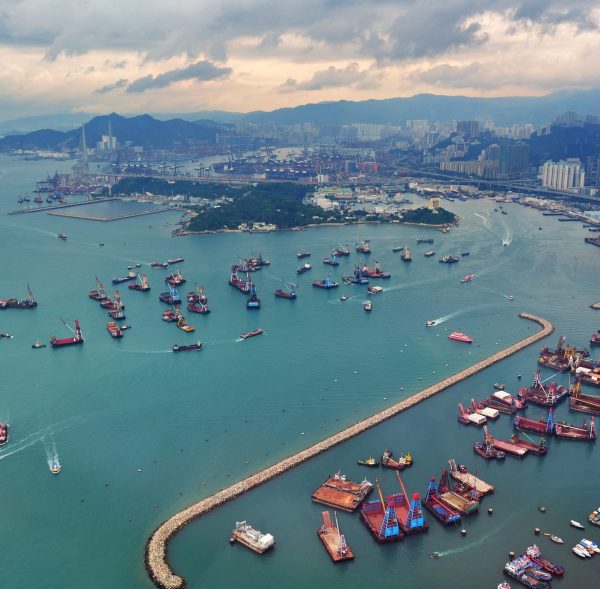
<point x="550" y="14"/>
<point x="110" y="87"/>
<point x="202" y="71"/>
<point x="349" y="77"/>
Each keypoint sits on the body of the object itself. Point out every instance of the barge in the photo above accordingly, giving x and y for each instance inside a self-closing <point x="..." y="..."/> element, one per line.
<point x="540" y="448"/>
<point x="454" y="500"/>
<point x="114" y="329"/>
<point x="340" y="493"/>
<point x="68" y="341"/>
<point x="534" y="554"/>
<point x="409" y="512"/>
<point x="245" y="534"/>
<point x="288" y="292"/>
<point x="243" y="285"/>
<point x="364" y="247"/>
<point x="129" y="276"/>
<point x="585" y="433"/>
<point x="440" y="510"/>
<point x="461" y="474"/>
<point x="142" y="285"/>
<point x="252" y="333"/>
<point x="583" y="403"/>
<point x="377" y="272"/>
<point x="188" y="348"/>
<point x="380" y="518"/>
<point x="326" y="284"/>
<point x="333" y="539"/>
<point x="540" y="394"/>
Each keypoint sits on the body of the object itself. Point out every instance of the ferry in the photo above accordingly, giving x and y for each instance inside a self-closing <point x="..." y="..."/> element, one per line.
<point x="188" y="348"/>
<point x="252" y="333"/>
<point x="375" y="289"/>
<point x="130" y="276"/>
<point x="305" y="268"/>
<point x="245" y="534"/>
<point x="55" y="466"/>
<point x="68" y="341"/>
<point x="368" y="306"/>
<point x="114" y="329"/>
<point x="460" y="337"/>
<point x="3" y="433"/>
<point x="429" y="254"/>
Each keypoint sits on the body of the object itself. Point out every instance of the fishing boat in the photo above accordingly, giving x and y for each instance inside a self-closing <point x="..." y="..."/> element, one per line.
<point x="252" y="333"/>
<point x="333" y="539"/>
<point x="114" y="329"/>
<point x="38" y="344"/>
<point x="577" y="525"/>
<point x="142" y="285"/>
<point x="304" y="268"/>
<point x="372" y="462"/>
<point x="130" y="276"/>
<point x="368" y="306"/>
<point x="55" y="466"/>
<point x="245" y="534"/>
<point x="3" y="433"/>
<point x="460" y="337"/>
<point x="288" y="292"/>
<point x="68" y="341"/>
<point x="405" y="255"/>
<point x="429" y="254"/>
<point x="301" y="255"/>
<point x="375" y="289"/>
<point x="327" y="283"/>
<point x="188" y="348"/>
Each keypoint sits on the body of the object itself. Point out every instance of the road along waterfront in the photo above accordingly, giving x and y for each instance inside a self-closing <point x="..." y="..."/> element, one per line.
<point x="156" y="547"/>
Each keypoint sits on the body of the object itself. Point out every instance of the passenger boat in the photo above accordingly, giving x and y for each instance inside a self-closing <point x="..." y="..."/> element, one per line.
<point x="252" y="333"/>
<point x="368" y="306"/>
<point x="429" y="254"/>
<point x="333" y="539"/>
<point x="68" y="341"/>
<point x="3" y="433"/>
<point x="372" y="462"/>
<point x="327" y="283"/>
<point x="38" y="344"/>
<point x="301" y="255"/>
<point x="245" y="534"/>
<point x="305" y="268"/>
<point x="114" y="329"/>
<point x="188" y="348"/>
<point x="130" y="276"/>
<point x="55" y="466"/>
<point x="460" y="337"/>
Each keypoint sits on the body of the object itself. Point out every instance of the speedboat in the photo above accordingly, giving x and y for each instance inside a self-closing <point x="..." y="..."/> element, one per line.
<point x="344" y="297"/>
<point x="55" y="466"/>
<point x="581" y="551"/>
<point x="510" y="298"/>
<point x="7" y="335"/>
<point x="431" y="323"/>
<point x="577" y="525"/>
<point x="556" y="539"/>
<point x="367" y="305"/>
<point x="434" y="555"/>
<point x="589" y="545"/>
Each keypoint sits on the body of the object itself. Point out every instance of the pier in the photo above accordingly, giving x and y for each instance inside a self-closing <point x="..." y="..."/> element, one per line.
<point x="156" y="548"/>
<point x="115" y="218"/>
<point x="46" y="208"/>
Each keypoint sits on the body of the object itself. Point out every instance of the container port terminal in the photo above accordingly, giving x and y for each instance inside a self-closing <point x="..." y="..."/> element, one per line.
<point x="156" y="547"/>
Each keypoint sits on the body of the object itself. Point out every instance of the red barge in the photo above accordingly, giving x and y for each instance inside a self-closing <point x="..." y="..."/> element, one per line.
<point x="326" y="284"/>
<point x="380" y="517"/>
<point x="540" y="448"/>
<point x="440" y="510"/>
<point x="340" y="493"/>
<point x="239" y="283"/>
<point x="142" y="285"/>
<point x="68" y="341"/>
<point x="563" y="357"/>
<point x="409" y="513"/>
<point x="466" y="504"/>
<point x="377" y="272"/>
<point x="333" y="539"/>
<point x="582" y="402"/>
<point x="540" y="394"/>
<point x="99" y="294"/>
<point x="289" y="292"/>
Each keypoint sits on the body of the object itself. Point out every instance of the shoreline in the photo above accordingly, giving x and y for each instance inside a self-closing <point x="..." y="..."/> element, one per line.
<point x="156" y="551"/>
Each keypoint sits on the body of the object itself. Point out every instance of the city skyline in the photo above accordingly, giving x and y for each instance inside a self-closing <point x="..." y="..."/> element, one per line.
<point x="250" y="55"/>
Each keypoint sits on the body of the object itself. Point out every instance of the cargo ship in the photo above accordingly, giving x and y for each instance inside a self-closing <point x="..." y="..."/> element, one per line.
<point x="170" y="298"/>
<point x="245" y="534"/>
<point x="243" y="285"/>
<point x="380" y="517"/>
<point x="377" y="272"/>
<point x="534" y="554"/>
<point x="175" y="278"/>
<point x="404" y="460"/>
<point x="341" y="493"/>
<point x="327" y="283"/>
<point x="518" y="569"/>
<point x="449" y="260"/>
<point x="364" y="247"/>
<point x="405" y="255"/>
<point x="68" y="341"/>
<point x="129" y="276"/>
<point x="114" y="329"/>
<point x="14" y="303"/>
<point x="304" y="268"/>
<point x="333" y="539"/>
<point x="440" y="510"/>
<point x="252" y="333"/>
<point x="288" y="292"/>
<point x="188" y="348"/>
<point x="142" y="285"/>
<point x="301" y="255"/>
<point x="331" y="261"/>
<point x="540" y="394"/>
<point x="175" y="261"/>
<point x="3" y="433"/>
<point x="460" y="337"/>
<point x="98" y="294"/>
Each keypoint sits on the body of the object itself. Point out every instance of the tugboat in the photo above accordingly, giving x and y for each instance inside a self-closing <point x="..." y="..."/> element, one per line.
<point x="372" y="462"/>
<point x="405" y="255"/>
<point x="114" y="329"/>
<point x="305" y="268"/>
<point x="3" y="433"/>
<point x="288" y="293"/>
<point x="38" y="344"/>
<point x="188" y="348"/>
<point x="327" y="283"/>
<point x="55" y="466"/>
<point x="68" y="341"/>
<point x="252" y="333"/>
<point x="253" y="301"/>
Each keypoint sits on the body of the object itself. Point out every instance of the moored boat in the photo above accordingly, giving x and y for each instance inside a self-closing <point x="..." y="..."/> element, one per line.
<point x="3" y="433"/>
<point x="38" y="344"/>
<point x="368" y="306"/>
<point x="130" y="276"/>
<point x="326" y="284"/>
<point x="429" y="254"/>
<point x="142" y="285"/>
<point x="301" y="255"/>
<point x="114" y="329"/>
<point x="405" y="255"/>
<point x="68" y="341"/>
<point x="245" y="534"/>
<point x="333" y="539"/>
<point x="187" y="348"/>
<point x="449" y="260"/>
<point x="534" y="554"/>
<point x="372" y="462"/>
<point x="288" y="292"/>
<point x="252" y="333"/>
<point x="304" y="268"/>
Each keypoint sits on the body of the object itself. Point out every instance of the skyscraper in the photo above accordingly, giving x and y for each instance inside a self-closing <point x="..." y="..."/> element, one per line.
<point x="513" y="161"/>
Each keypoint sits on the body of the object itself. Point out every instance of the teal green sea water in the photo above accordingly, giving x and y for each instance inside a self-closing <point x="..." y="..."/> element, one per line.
<point x="142" y="432"/>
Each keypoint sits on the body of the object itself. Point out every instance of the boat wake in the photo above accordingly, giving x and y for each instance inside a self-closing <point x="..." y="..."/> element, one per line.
<point x="486" y="220"/>
<point x="472" y="544"/>
<point x="51" y="452"/>
<point x="462" y="312"/>
<point x="18" y="446"/>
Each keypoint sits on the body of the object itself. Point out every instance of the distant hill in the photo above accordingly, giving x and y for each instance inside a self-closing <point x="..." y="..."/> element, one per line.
<point x="141" y="130"/>
<point x="58" y="122"/>
<point x="396" y="111"/>
<point x="565" y="142"/>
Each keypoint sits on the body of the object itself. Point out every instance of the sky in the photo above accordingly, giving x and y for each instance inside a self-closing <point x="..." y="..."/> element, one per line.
<point x="136" y="56"/>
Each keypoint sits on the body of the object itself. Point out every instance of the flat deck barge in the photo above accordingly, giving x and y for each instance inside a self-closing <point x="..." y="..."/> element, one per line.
<point x="459" y="503"/>
<point x="462" y="475"/>
<point x="508" y="448"/>
<point x="337" y="492"/>
<point x="333" y="540"/>
<point x="382" y="521"/>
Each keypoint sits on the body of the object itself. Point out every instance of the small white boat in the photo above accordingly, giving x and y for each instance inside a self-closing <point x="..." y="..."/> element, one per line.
<point x="504" y="585"/>
<point x="590" y="545"/>
<point x="511" y="298"/>
<point x="431" y="323"/>
<point x="579" y="551"/>
<point x="344" y="297"/>
<point x="577" y="525"/>
<point x="556" y="539"/>
<point x="55" y="466"/>
<point x="368" y="306"/>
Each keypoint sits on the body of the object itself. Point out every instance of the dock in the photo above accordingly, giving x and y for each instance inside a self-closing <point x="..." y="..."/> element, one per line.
<point x="337" y="492"/>
<point x="156" y="548"/>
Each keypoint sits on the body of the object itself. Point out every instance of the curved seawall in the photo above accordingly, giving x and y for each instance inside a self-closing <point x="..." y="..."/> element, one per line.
<point x="156" y="547"/>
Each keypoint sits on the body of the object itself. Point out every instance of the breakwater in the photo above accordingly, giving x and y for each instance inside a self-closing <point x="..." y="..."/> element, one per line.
<point x="115" y="218"/>
<point x="61" y="206"/>
<point x="156" y="547"/>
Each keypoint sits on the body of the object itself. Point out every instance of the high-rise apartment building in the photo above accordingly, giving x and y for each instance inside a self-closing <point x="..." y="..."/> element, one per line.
<point x="563" y="175"/>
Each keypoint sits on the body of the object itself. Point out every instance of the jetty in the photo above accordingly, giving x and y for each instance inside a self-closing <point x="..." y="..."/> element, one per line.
<point x="156" y="548"/>
<point x="67" y="205"/>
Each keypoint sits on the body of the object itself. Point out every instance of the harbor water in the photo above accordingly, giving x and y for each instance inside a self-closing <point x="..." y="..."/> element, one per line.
<point x="142" y="432"/>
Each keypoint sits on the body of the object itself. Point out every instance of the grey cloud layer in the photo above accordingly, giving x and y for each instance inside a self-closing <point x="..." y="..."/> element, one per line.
<point x="349" y="77"/>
